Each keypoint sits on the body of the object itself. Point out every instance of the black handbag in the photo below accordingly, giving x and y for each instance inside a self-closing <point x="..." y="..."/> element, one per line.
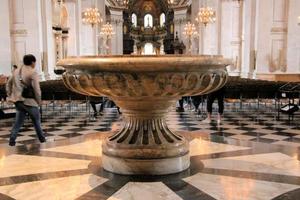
<point x="28" y="91"/>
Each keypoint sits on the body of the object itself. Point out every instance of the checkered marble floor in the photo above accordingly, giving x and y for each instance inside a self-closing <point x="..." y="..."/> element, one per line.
<point x="220" y="169"/>
<point x="243" y="124"/>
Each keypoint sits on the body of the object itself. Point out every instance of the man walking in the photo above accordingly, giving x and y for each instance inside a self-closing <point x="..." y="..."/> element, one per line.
<point x="23" y="89"/>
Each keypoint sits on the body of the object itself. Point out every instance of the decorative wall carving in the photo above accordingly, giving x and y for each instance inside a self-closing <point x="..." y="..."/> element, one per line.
<point x="182" y="20"/>
<point x="116" y="21"/>
<point x="278" y="36"/>
<point x="275" y="30"/>
<point x="278" y="55"/>
<point x="19" y="32"/>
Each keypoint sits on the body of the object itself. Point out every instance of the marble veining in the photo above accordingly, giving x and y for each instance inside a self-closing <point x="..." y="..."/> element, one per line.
<point x="201" y="147"/>
<point x="89" y="148"/>
<point x="145" y="191"/>
<point x="233" y="188"/>
<point x="220" y="169"/>
<point x="275" y="163"/>
<point x="16" y="165"/>
<point x="66" y="188"/>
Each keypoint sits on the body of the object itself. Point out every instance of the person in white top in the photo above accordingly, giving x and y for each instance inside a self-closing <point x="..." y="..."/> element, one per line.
<point x="23" y="89"/>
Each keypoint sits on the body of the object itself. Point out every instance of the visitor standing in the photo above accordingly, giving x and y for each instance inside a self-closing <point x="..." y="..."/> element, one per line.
<point x="219" y="95"/>
<point x="196" y="102"/>
<point x="97" y="100"/>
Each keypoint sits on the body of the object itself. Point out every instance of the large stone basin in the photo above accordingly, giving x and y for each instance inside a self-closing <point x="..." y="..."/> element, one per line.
<point x="145" y="87"/>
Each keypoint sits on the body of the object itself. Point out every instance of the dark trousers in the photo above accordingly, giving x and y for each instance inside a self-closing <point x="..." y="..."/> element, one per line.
<point x="35" y="116"/>
<point x="93" y="104"/>
<point x="196" y="101"/>
<point x="181" y="101"/>
<point x="219" y="95"/>
<point x="113" y="104"/>
<point x="103" y="102"/>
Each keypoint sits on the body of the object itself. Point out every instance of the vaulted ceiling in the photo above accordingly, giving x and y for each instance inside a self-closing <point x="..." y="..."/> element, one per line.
<point x="154" y="7"/>
<point x="118" y="4"/>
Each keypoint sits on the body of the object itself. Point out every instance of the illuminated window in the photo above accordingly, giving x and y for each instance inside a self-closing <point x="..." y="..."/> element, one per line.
<point x="162" y="19"/>
<point x="134" y="20"/>
<point x="148" y="21"/>
<point x="148" y="49"/>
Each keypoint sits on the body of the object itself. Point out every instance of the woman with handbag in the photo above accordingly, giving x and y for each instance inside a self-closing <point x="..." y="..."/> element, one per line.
<point x="23" y="89"/>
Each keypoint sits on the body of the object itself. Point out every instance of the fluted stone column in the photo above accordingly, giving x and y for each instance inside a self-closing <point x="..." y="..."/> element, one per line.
<point x="236" y="37"/>
<point x="248" y="39"/>
<point x="195" y="10"/>
<point x="293" y="45"/>
<point x="271" y="37"/>
<point x="58" y="44"/>
<point x="48" y="52"/>
<point x="78" y="26"/>
<point x="5" y="50"/>
<point x="65" y="37"/>
<point x="117" y="38"/>
<point x="99" y="40"/>
<point x="180" y="19"/>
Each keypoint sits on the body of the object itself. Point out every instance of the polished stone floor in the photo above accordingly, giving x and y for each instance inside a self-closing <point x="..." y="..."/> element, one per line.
<point x="221" y="168"/>
<point x="248" y="123"/>
<point x="249" y="156"/>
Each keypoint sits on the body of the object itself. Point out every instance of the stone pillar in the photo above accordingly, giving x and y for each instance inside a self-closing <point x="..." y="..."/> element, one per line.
<point x="95" y="39"/>
<point x="58" y="44"/>
<point x="88" y="38"/>
<point x="26" y="34"/>
<point x="210" y="33"/>
<point x="107" y="45"/>
<point x="209" y="37"/>
<point x="180" y="19"/>
<point x="5" y="50"/>
<point x="248" y="39"/>
<point x="135" y="49"/>
<point x="271" y="36"/>
<point x="99" y="41"/>
<point x="65" y="37"/>
<point x="78" y="26"/>
<point x="72" y="25"/>
<point x="293" y="44"/>
<point x="117" y="38"/>
<point x="101" y="45"/>
<point x="196" y="41"/>
<point x="162" y="48"/>
<point x="48" y="56"/>
<point x="236" y="24"/>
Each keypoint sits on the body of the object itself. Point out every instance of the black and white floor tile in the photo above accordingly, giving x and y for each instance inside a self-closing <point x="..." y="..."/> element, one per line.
<point x="228" y="161"/>
<point x="243" y="124"/>
<point x="221" y="168"/>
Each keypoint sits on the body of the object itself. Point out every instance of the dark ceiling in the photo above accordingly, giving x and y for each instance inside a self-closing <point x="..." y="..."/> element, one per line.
<point x="154" y="7"/>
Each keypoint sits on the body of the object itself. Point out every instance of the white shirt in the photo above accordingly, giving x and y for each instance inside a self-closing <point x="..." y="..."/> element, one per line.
<point x="14" y="87"/>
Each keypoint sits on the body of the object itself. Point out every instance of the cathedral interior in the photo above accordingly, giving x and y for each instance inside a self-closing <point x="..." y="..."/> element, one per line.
<point x="150" y="99"/>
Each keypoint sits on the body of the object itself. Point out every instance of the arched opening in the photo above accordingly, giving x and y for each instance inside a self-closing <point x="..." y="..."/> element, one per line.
<point x="148" y="21"/>
<point x="134" y="20"/>
<point x="149" y="49"/>
<point x="162" y="19"/>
